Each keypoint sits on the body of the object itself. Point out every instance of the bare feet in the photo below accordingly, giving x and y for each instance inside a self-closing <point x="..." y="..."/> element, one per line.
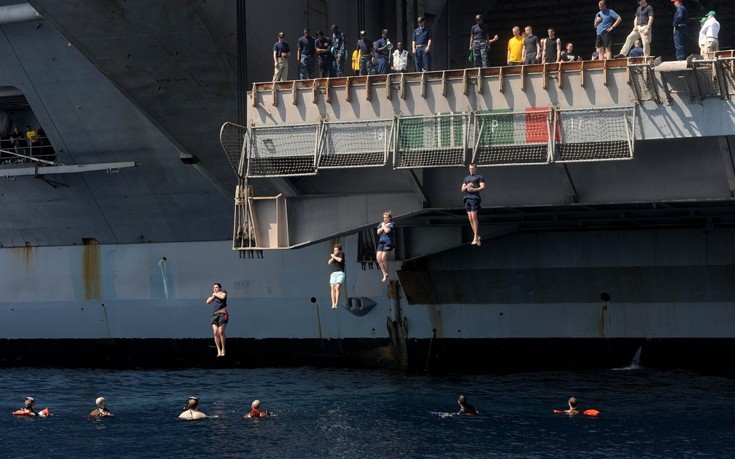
<point x="385" y="277"/>
<point x="478" y="241"/>
<point x="334" y="306"/>
<point x="474" y="241"/>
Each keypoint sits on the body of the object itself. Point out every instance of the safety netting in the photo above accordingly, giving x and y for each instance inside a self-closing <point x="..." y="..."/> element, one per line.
<point x="506" y="138"/>
<point x="594" y="134"/>
<point x="431" y="141"/>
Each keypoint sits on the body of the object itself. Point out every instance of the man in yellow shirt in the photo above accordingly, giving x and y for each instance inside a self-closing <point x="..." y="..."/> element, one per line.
<point x="515" y="47"/>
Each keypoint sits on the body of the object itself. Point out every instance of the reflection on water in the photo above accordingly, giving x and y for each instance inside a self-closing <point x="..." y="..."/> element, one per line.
<point x="359" y="414"/>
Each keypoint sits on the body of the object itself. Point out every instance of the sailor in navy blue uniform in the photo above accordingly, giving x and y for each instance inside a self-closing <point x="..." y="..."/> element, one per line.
<point x="382" y="53"/>
<point x="306" y="49"/>
<point x="680" y="30"/>
<point x="421" y="45"/>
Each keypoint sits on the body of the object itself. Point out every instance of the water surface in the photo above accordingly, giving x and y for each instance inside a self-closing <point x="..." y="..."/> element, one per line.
<point x="369" y="414"/>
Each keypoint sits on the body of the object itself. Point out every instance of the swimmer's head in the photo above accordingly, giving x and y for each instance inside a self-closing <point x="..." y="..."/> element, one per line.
<point x="573" y="402"/>
<point x="100" y="402"/>
<point x="29" y="403"/>
<point x="193" y="402"/>
<point x="255" y="405"/>
<point x="462" y="399"/>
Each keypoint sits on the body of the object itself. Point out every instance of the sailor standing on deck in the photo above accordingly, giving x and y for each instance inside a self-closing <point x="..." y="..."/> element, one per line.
<point x="711" y="32"/>
<point x="220" y="317"/>
<point x="281" y="51"/>
<point x="680" y="30"/>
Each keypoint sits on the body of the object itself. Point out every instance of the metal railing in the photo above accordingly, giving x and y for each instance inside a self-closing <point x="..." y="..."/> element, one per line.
<point x="21" y="151"/>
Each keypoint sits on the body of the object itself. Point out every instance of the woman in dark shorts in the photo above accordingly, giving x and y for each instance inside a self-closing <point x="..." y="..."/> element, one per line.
<point x="386" y="242"/>
<point x="220" y="317"/>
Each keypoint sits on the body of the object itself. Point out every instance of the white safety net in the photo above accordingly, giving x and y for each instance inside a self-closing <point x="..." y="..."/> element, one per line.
<point x="283" y="151"/>
<point x="232" y="138"/>
<point x="505" y="138"/>
<point x="596" y="134"/>
<point x="431" y="141"/>
<point x="355" y="144"/>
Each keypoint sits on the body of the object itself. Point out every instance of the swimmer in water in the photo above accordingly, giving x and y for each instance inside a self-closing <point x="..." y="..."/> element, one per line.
<point x="29" y="407"/>
<point x="192" y="412"/>
<point x="101" y="410"/>
<point x="572" y="407"/>
<point x="465" y="409"/>
<point x="256" y="412"/>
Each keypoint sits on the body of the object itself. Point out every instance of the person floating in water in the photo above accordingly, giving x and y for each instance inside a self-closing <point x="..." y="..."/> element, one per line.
<point x="472" y="185"/>
<point x="256" y="412"/>
<point x="220" y="317"/>
<point x="191" y="411"/>
<point x="465" y="409"/>
<point x="573" y="410"/>
<point x="29" y="409"/>
<point x="386" y="242"/>
<point x="101" y="410"/>
<point x="337" y="278"/>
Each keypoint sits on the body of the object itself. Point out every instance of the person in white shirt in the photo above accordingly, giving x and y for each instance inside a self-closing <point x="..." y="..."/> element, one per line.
<point x="710" y="30"/>
<point x="400" y="59"/>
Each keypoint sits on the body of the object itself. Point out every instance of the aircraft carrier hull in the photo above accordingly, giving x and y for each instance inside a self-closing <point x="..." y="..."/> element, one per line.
<point x="527" y="304"/>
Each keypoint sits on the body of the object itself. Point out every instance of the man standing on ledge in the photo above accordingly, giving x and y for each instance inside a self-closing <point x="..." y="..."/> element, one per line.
<point x="480" y="42"/>
<point x="220" y="317"/>
<point x="515" y="47"/>
<point x="471" y="187"/>
<point x="680" y="30"/>
<point x="421" y="45"/>
<point x="711" y="32"/>
<point x="606" y="21"/>
<point x="305" y="55"/>
<point x="641" y="29"/>
<point x="280" y="58"/>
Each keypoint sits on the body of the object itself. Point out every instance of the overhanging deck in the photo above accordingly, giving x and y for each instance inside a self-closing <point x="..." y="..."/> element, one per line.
<point x="342" y="150"/>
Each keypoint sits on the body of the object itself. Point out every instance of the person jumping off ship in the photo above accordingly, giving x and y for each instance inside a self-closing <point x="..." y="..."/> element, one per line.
<point x="472" y="185"/>
<point x="220" y="317"/>
<point x="386" y="242"/>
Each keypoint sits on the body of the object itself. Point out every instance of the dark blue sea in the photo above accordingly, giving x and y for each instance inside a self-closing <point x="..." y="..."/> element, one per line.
<point x="369" y="414"/>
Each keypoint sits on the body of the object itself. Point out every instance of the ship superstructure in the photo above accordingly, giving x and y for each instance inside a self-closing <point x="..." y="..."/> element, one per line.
<point x="607" y="223"/>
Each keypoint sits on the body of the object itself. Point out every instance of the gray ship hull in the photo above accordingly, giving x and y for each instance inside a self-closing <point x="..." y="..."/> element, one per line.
<point x="519" y="302"/>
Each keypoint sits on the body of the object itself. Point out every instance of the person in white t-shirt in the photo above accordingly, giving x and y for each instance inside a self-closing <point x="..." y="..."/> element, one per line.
<point x="400" y="59"/>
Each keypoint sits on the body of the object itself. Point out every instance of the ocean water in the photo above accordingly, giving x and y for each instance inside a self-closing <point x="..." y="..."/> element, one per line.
<point x="368" y="414"/>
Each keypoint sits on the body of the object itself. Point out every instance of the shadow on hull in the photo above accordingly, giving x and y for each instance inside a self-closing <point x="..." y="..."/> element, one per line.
<point x="433" y="356"/>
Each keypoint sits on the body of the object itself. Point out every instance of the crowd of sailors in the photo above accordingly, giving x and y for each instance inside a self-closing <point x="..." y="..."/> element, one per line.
<point x="18" y="146"/>
<point x="325" y="56"/>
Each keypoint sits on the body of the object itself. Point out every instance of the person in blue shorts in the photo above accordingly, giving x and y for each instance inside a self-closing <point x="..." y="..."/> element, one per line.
<point x="337" y="260"/>
<point x="471" y="187"/>
<point x="386" y="242"/>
